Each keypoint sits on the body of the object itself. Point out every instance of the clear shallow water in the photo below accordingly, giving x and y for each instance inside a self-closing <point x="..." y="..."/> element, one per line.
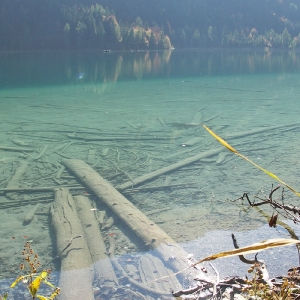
<point x="46" y="96"/>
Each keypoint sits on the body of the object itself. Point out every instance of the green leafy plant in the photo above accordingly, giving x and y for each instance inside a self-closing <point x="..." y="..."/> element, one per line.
<point x="257" y="288"/>
<point x="33" y="280"/>
<point x="4" y="297"/>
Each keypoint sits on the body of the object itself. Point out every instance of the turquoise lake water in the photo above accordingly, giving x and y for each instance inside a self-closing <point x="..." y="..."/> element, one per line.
<point x="130" y="114"/>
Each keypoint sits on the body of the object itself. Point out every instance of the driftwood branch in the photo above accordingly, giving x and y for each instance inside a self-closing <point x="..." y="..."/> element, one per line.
<point x="288" y="211"/>
<point x="241" y="257"/>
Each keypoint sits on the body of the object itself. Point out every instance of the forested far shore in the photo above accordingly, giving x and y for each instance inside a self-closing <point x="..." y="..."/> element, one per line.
<point x="155" y="24"/>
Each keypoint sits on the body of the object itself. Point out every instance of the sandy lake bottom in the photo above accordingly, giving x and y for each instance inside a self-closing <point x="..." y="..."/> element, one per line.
<point x="131" y="128"/>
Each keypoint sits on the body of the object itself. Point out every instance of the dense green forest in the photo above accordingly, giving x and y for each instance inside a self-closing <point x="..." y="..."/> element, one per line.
<point x="152" y="24"/>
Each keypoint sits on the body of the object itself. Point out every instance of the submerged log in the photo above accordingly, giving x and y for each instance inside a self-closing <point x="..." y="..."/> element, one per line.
<point x="116" y="264"/>
<point x="180" y="153"/>
<point x="258" y="130"/>
<point x="39" y="189"/>
<point x="103" y="269"/>
<point x="118" y="138"/>
<point x="187" y="161"/>
<point x="153" y="236"/>
<point x="180" y="164"/>
<point x="76" y="275"/>
<point x="151" y="268"/>
<point x="162" y="121"/>
<point x="198" y="117"/>
<point x="193" y="141"/>
<point x="15" y="179"/>
<point x="221" y="157"/>
<point x="30" y="214"/>
<point x="18" y="149"/>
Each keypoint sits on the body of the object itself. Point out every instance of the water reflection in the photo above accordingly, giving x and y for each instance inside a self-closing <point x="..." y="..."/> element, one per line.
<point x="27" y="69"/>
